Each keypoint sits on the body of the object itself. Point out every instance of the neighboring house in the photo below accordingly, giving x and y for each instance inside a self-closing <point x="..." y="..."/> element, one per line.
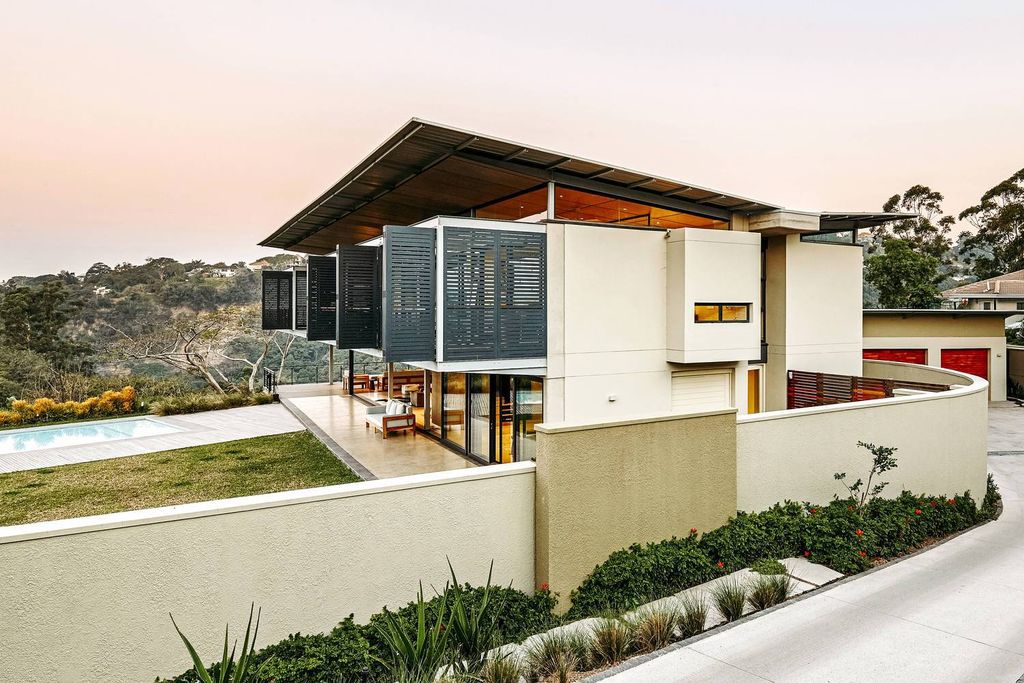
<point x="531" y="286"/>
<point x="1000" y="293"/>
<point x="971" y="341"/>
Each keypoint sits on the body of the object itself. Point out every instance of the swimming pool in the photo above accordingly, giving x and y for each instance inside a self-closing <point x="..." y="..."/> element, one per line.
<point x="38" y="438"/>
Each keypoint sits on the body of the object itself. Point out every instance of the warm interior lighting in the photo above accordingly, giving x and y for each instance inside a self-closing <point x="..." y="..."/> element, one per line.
<point x="576" y="205"/>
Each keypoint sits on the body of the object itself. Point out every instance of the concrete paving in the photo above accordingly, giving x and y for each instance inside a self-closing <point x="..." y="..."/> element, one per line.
<point x="198" y="429"/>
<point x="953" y="613"/>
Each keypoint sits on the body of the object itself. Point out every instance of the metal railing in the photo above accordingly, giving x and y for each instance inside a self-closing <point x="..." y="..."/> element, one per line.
<point x="269" y="381"/>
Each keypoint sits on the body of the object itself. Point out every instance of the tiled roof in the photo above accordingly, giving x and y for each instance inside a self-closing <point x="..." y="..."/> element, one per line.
<point x="1008" y="284"/>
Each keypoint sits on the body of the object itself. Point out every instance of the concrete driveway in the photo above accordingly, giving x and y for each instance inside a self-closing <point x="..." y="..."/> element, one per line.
<point x="953" y="613"/>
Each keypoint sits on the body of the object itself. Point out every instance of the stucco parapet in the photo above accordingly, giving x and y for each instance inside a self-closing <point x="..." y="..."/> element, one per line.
<point x="80" y="525"/>
<point x="563" y="427"/>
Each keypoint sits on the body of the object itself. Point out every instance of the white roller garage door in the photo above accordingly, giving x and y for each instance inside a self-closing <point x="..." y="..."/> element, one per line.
<point x="701" y="391"/>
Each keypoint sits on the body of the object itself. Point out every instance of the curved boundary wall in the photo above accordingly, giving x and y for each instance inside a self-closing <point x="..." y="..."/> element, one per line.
<point x="87" y="599"/>
<point x="941" y="440"/>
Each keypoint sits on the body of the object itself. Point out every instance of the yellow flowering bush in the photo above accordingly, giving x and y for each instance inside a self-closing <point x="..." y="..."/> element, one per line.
<point x="107" y="404"/>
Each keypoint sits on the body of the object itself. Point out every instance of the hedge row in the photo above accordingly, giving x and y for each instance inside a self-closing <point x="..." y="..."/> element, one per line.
<point x="838" y="535"/>
<point x="350" y="652"/>
<point x="41" y="410"/>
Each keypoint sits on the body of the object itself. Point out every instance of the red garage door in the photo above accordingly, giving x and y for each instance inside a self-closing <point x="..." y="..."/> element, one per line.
<point x="971" y="361"/>
<point x="919" y="356"/>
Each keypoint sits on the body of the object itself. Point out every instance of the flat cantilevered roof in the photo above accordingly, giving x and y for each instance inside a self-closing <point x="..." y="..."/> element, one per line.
<point x="949" y="312"/>
<point x="426" y="169"/>
<point x="836" y="221"/>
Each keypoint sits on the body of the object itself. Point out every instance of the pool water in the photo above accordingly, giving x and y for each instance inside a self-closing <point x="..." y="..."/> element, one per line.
<point x="19" y="440"/>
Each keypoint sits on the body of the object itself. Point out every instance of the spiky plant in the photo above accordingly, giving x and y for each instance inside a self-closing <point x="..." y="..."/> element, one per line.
<point x="416" y="658"/>
<point x="227" y="669"/>
<point x="554" y="653"/>
<point x="506" y="668"/>
<point x="730" y="597"/>
<point x="767" y="591"/>
<point x="613" y="641"/>
<point x="473" y="629"/>
<point x="654" y="628"/>
<point x="693" y="615"/>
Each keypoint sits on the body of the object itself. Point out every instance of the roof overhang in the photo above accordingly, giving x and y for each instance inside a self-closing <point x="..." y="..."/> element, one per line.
<point x="426" y="169"/>
<point x="936" y="312"/>
<point x="840" y="222"/>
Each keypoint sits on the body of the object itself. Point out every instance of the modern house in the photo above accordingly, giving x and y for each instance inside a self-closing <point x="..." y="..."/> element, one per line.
<point x="1000" y="293"/>
<point x="514" y="285"/>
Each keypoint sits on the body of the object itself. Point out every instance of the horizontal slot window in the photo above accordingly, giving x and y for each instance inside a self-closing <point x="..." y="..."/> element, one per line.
<point x="721" y="313"/>
<point x="842" y="237"/>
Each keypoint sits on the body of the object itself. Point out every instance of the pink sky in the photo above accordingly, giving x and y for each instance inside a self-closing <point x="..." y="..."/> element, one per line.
<point x="193" y="129"/>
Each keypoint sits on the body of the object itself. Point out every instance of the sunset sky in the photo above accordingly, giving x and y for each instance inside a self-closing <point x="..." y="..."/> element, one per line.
<point x="193" y="129"/>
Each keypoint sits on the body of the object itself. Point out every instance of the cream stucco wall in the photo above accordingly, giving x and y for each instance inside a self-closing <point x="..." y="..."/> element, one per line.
<point x="814" y="303"/>
<point x="712" y="266"/>
<point x="87" y="600"/>
<point x="604" y="486"/>
<point x="941" y="437"/>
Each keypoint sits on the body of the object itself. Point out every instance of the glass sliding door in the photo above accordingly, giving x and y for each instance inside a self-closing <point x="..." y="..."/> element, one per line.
<point x="529" y="412"/>
<point x="453" y="408"/>
<point x="504" y="411"/>
<point x="480" y="415"/>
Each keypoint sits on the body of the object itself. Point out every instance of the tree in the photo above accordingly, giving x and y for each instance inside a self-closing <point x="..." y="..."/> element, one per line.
<point x="188" y="343"/>
<point x="929" y="232"/>
<point x="904" y="278"/>
<point x="34" y="319"/>
<point x="999" y="219"/>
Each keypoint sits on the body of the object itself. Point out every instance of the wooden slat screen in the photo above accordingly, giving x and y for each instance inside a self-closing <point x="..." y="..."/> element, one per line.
<point x="277" y="300"/>
<point x="410" y="325"/>
<point x="322" y="300"/>
<point x="808" y="389"/>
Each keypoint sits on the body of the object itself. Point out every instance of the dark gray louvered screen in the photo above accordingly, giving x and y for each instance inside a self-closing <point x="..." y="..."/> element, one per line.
<point x="322" y="298"/>
<point x="522" y="288"/>
<point x="300" y="300"/>
<point x="359" y="297"/>
<point x="494" y="294"/>
<point x="410" y="328"/>
<point x="277" y="300"/>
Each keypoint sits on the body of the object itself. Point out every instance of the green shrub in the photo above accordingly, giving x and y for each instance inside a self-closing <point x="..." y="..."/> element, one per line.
<point x="730" y="597"/>
<point x="992" y="502"/>
<point x="344" y="653"/>
<point x="639" y="574"/>
<point x="768" y="567"/>
<point x="693" y="615"/>
<point x="748" y="537"/>
<point x="193" y="402"/>
<point x="769" y="590"/>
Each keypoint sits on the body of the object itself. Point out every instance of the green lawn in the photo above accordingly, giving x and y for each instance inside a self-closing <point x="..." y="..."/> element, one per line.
<point x="186" y="475"/>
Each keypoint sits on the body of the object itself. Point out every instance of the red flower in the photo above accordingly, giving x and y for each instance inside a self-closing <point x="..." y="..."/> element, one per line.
<point x="952" y="501"/>
<point x="545" y="586"/>
<point x="934" y="503"/>
<point x="807" y="553"/>
<point x="693" y="530"/>
<point x="917" y="511"/>
<point x="721" y="565"/>
<point x="814" y="511"/>
<point x="862" y="553"/>
<point x="852" y="508"/>
<point x="860" y="532"/>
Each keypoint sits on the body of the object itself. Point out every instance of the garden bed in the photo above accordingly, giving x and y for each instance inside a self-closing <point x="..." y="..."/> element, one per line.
<point x="245" y="467"/>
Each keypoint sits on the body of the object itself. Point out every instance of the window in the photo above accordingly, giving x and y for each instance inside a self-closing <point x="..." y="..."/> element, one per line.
<point x="1020" y="305"/>
<point x="987" y="305"/>
<point x="841" y="237"/>
<point x="577" y="205"/>
<point x="721" y="313"/>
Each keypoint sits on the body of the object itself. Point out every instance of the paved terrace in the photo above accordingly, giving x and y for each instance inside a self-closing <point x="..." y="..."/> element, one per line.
<point x="340" y="421"/>
<point x="952" y="613"/>
<point x="198" y="429"/>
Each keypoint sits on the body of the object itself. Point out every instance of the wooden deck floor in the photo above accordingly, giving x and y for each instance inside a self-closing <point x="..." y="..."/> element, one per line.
<point x="403" y="453"/>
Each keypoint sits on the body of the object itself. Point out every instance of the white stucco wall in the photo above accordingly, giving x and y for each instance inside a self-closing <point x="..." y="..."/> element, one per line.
<point x="87" y="599"/>
<point x="814" y="311"/>
<point x="941" y="437"/>
<point x="606" y="323"/>
<point x="712" y="266"/>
